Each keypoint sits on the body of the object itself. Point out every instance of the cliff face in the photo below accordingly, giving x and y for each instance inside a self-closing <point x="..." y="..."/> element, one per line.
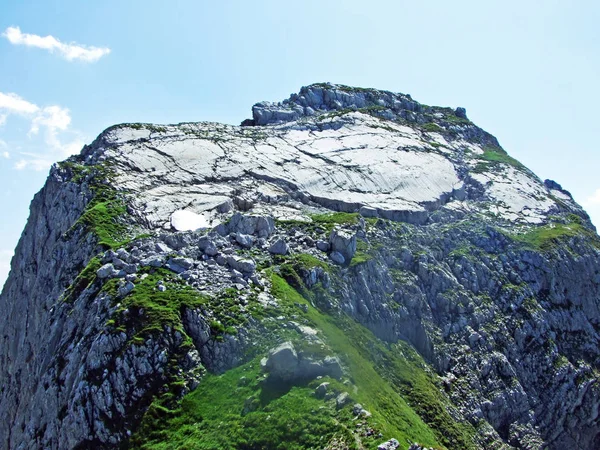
<point x="347" y="268"/>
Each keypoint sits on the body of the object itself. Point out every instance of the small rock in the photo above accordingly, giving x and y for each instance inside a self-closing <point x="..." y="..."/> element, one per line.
<point x="321" y="390"/>
<point x="152" y="261"/>
<point x="392" y="444"/>
<point x="211" y="250"/>
<point x="358" y="410"/>
<point x="126" y="289"/>
<point x="130" y="268"/>
<point x="342" y="399"/>
<point x="323" y="246"/>
<point x="162" y="248"/>
<point x="236" y="273"/>
<point x="106" y="271"/>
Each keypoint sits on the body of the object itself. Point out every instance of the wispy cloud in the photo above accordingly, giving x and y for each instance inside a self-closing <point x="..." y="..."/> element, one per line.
<point x="52" y="120"/>
<point x="592" y="200"/>
<point x="70" y="52"/>
<point x="12" y="103"/>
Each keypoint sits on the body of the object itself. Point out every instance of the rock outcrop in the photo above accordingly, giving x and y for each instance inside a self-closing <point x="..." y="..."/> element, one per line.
<point x="345" y="233"/>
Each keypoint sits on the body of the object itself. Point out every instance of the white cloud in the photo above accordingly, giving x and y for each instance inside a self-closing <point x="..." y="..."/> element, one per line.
<point x="37" y="164"/>
<point x="6" y="155"/>
<point x="52" y="120"/>
<point x="70" y="52"/>
<point x="52" y="117"/>
<point x="3" y="118"/>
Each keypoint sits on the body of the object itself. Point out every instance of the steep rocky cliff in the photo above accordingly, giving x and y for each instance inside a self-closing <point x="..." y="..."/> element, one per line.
<point x="347" y="269"/>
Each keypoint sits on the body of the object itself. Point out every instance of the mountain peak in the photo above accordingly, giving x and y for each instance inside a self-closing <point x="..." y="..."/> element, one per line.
<point x="321" y="98"/>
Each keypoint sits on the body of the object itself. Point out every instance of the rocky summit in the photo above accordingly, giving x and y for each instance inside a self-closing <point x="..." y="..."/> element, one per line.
<point x="348" y="269"/>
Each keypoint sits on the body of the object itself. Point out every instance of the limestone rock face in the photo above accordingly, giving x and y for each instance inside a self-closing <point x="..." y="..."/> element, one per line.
<point x="151" y="259"/>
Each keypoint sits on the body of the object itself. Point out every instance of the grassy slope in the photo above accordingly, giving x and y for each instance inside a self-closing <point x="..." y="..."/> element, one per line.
<point x="381" y="378"/>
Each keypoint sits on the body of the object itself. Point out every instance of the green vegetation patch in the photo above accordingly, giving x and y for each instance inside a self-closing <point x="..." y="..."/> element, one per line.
<point x="363" y="253"/>
<point x="85" y="278"/>
<point x="102" y="219"/>
<point x="152" y="309"/>
<point x="308" y="261"/>
<point x="493" y="154"/>
<point x="355" y="344"/>
<point x="432" y="127"/>
<point x="239" y="410"/>
<point x="547" y="237"/>
<point x="104" y="213"/>
<point x="330" y="220"/>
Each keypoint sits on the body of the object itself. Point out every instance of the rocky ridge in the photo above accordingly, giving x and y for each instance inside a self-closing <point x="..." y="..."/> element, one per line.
<point x="340" y="229"/>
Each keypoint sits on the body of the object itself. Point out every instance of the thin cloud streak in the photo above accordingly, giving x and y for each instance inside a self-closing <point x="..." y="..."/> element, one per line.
<point x="70" y="52"/>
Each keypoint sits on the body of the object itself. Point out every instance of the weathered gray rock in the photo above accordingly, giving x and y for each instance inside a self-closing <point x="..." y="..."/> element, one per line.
<point x="279" y="247"/>
<point x="244" y="240"/>
<point x="243" y="265"/>
<point x="179" y="265"/>
<point x="282" y="363"/>
<point x="342" y="400"/>
<point x="343" y="242"/>
<point x="358" y="410"/>
<point x="321" y="390"/>
<point x="247" y="224"/>
<point x="107" y="271"/>
<point x="126" y="288"/>
<point x="323" y="246"/>
<point x="337" y="257"/>
<point x="392" y="444"/>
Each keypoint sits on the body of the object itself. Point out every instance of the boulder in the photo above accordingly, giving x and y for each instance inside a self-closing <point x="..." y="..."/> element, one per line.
<point x="460" y="112"/>
<point x="279" y="247"/>
<point x="179" y="265"/>
<point x="358" y="410"/>
<point x="260" y="225"/>
<point x="244" y="240"/>
<point x="344" y="243"/>
<point x="282" y="363"/>
<point x="244" y="265"/>
<point x="287" y="365"/>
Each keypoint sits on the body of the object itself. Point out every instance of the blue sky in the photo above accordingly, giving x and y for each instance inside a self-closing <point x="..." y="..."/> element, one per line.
<point x="528" y="72"/>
